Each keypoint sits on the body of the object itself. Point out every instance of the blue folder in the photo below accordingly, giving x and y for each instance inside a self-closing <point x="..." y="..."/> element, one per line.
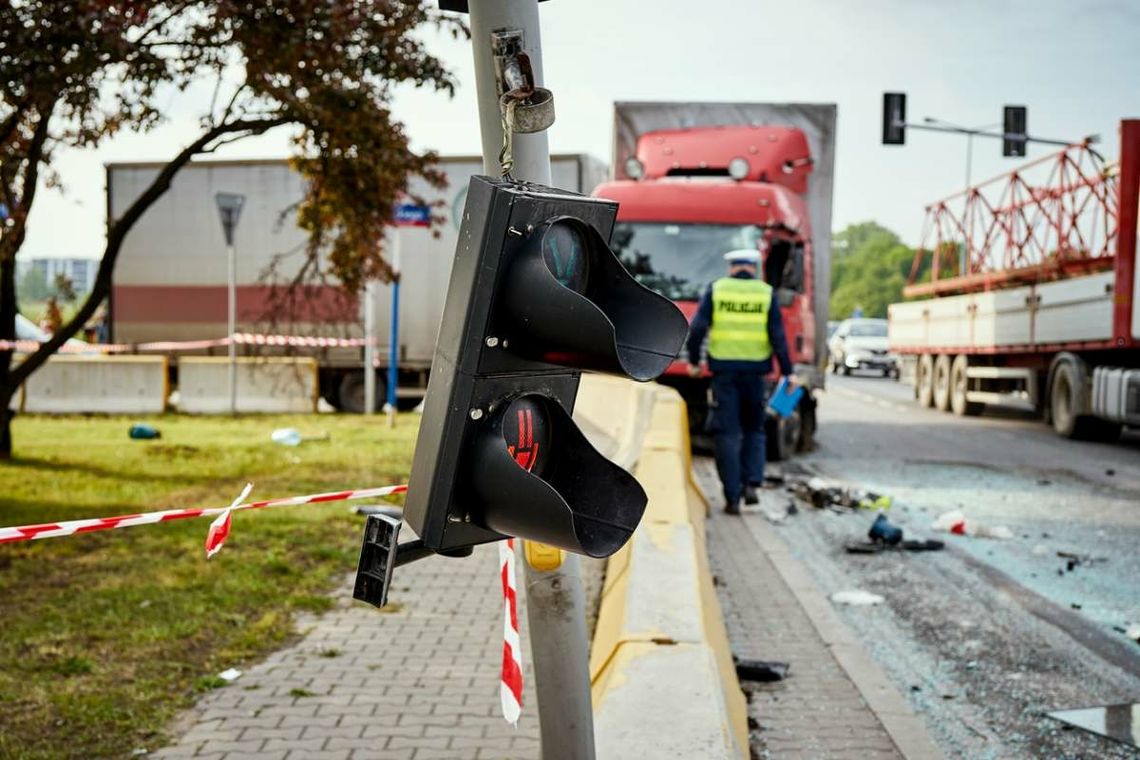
<point x="783" y="401"/>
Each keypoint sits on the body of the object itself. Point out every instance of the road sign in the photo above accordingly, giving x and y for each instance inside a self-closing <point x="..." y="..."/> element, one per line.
<point x="412" y="215"/>
<point x="536" y="296"/>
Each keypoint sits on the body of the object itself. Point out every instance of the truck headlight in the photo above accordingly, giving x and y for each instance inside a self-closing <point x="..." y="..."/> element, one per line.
<point x="738" y="168"/>
<point x="634" y="169"/>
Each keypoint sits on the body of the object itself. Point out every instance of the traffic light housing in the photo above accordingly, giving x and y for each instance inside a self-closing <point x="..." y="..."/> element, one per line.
<point x="535" y="297"/>
<point x="894" y="118"/>
<point x="1015" y="133"/>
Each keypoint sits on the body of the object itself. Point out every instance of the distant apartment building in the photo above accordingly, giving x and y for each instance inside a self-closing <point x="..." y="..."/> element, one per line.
<point x="81" y="272"/>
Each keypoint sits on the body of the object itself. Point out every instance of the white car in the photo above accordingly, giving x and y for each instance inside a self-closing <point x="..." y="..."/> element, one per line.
<point x="862" y="344"/>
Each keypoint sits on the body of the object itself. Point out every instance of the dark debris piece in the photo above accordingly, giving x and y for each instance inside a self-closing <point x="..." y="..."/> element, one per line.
<point x="763" y="671"/>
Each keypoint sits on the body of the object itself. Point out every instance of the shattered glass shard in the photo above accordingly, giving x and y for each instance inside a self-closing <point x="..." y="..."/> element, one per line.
<point x="1118" y="722"/>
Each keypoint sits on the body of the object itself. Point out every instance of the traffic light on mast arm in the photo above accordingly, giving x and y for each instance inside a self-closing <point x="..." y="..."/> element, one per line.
<point x="536" y="296"/>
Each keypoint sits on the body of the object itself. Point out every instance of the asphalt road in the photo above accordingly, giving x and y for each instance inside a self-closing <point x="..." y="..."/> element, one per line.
<point x="988" y="635"/>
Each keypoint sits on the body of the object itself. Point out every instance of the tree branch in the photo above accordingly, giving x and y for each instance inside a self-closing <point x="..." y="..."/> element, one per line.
<point x="12" y="121"/>
<point x="118" y="232"/>
<point x="14" y="237"/>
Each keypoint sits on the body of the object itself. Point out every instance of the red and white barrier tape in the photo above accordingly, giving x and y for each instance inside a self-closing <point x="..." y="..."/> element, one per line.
<point x="241" y="339"/>
<point x="511" y="688"/>
<point x="217" y="533"/>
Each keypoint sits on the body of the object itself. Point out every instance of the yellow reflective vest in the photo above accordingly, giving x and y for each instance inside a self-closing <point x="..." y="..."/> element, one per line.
<point x="739" y="329"/>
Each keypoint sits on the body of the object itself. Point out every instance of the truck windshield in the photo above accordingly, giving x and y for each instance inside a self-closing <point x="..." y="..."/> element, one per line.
<point x="679" y="260"/>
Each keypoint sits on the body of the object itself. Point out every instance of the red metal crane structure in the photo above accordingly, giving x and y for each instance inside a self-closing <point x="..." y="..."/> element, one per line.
<point x="1055" y="217"/>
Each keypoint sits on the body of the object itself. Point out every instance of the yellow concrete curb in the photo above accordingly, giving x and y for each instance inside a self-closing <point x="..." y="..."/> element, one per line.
<point x="660" y="647"/>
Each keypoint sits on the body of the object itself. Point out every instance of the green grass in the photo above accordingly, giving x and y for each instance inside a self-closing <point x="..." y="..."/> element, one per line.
<point x="105" y="636"/>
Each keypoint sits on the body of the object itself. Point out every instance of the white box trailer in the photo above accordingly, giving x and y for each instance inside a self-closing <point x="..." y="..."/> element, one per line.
<point x="170" y="281"/>
<point x="1045" y="317"/>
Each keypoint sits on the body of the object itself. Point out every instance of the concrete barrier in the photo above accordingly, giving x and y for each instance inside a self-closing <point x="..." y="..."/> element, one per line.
<point x="264" y="384"/>
<point x="105" y="384"/>
<point x="664" y="684"/>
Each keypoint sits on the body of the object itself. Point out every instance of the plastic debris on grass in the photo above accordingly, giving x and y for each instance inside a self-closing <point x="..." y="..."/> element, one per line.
<point x="293" y="437"/>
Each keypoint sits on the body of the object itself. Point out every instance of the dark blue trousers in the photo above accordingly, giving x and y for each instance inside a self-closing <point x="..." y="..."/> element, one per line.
<point x="738" y="431"/>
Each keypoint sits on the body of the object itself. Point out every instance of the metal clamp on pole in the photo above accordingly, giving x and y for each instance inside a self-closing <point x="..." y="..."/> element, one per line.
<point x="525" y="107"/>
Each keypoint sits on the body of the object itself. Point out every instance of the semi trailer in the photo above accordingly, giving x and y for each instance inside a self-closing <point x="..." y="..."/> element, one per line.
<point x="1028" y="291"/>
<point x="170" y="282"/>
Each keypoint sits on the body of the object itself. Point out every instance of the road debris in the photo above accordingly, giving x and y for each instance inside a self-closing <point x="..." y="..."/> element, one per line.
<point x="823" y="495"/>
<point x="955" y="522"/>
<point x="763" y="671"/>
<point x="1073" y="561"/>
<point x="884" y="535"/>
<point x="884" y="530"/>
<point x="1117" y="722"/>
<point x="857" y="598"/>
<point x="774" y="516"/>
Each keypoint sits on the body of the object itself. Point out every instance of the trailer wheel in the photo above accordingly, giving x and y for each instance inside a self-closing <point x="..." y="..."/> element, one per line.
<point x="942" y="383"/>
<point x="924" y="381"/>
<point x="1068" y="383"/>
<point x="351" y="392"/>
<point x="959" y="387"/>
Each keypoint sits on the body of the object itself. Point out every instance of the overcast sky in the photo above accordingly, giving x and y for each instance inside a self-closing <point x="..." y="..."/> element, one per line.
<point x="1074" y="63"/>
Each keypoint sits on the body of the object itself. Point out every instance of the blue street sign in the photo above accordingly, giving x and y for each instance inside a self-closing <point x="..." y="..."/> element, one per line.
<point x="412" y="215"/>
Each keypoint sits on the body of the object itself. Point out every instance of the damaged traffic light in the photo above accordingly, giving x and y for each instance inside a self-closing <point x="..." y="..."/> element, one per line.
<point x="536" y="296"/>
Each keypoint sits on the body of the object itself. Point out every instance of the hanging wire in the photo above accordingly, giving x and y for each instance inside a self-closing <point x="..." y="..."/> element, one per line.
<point x="506" y="160"/>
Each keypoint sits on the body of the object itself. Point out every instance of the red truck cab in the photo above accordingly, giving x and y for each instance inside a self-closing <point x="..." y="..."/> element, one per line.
<point x="698" y="193"/>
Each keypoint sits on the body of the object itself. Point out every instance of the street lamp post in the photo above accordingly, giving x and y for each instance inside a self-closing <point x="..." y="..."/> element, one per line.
<point x="229" y="209"/>
<point x="969" y="132"/>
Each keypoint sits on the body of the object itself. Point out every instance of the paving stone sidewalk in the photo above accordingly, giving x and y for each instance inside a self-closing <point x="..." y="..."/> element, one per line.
<point x="818" y="712"/>
<point x="419" y="681"/>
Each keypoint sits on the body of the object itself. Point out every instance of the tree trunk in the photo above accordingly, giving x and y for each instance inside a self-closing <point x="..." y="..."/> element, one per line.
<point x="5" y="427"/>
<point x="11" y="377"/>
<point x="7" y="332"/>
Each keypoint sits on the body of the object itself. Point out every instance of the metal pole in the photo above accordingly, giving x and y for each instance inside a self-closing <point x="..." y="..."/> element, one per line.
<point x="370" y="347"/>
<point x="556" y="604"/>
<point x="231" y="298"/>
<point x="394" y="330"/>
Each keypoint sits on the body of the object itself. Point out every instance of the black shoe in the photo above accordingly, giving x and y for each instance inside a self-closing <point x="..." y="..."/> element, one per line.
<point x="732" y="509"/>
<point x="750" y="496"/>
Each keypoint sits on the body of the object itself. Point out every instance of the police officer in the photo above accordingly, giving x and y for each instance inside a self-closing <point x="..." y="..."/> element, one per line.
<point x="744" y="329"/>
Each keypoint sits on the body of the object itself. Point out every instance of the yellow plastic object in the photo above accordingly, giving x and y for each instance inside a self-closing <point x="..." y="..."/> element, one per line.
<point x="542" y="557"/>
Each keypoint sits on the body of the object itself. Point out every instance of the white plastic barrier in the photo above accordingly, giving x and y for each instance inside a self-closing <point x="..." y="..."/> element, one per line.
<point x="264" y="384"/>
<point x="106" y="384"/>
